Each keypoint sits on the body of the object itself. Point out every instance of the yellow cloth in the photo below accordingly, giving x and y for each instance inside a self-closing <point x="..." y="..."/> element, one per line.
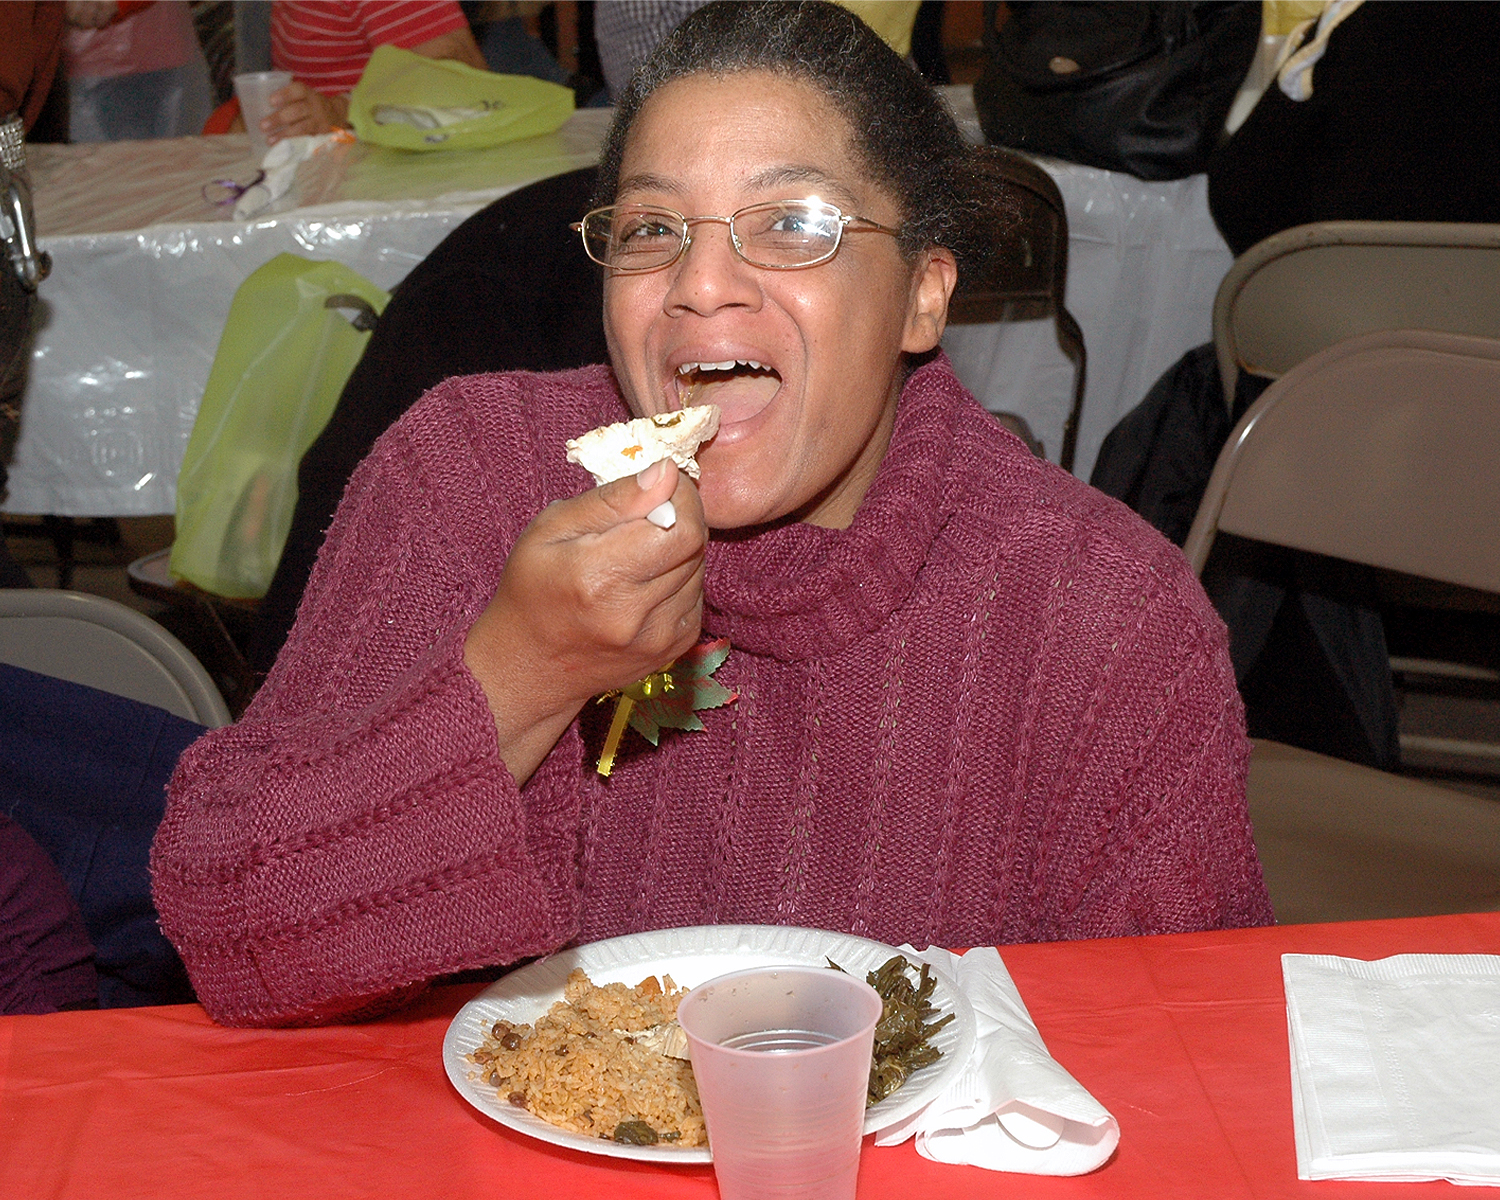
<point x="891" y="19"/>
<point x="1279" y="17"/>
<point x="1294" y="68"/>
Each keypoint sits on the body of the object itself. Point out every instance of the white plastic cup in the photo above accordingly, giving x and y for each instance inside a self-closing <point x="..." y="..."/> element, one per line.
<point x="782" y="1060"/>
<point x="254" y="90"/>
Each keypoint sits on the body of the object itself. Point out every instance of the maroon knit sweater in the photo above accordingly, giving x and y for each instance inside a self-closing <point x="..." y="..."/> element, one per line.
<point x="996" y="708"/>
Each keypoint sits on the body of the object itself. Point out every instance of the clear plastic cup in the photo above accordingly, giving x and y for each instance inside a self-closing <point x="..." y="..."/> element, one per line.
<point x="782" y="1060"/>
<point x="254" y="89"/>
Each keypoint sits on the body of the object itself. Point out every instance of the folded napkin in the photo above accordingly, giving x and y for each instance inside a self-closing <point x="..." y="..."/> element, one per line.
<point x="1013" y="1107"/>
<point x="1395" y="1066"/>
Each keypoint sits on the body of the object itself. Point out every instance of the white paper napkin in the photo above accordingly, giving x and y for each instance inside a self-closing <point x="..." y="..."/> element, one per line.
<point x="1395" y="1066"/>
<point x="1013" y="1107"/>
<point x="280" y="167"/>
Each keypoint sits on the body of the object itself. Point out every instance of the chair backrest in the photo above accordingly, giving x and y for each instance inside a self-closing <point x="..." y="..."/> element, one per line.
<point x="1304" y="289"/>
<point x="102" y="644"/>
<point x="1383" y="449"/>
<point x="1028" y="275"/>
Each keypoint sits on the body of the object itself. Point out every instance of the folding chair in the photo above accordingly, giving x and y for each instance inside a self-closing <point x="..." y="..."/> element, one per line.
<point x="101" y="644"/>
<point x="1028" y="276"/>
<point x="1304" y="289"/>
<point x="1342" y="842"/>
<point x="1381" y="450"/>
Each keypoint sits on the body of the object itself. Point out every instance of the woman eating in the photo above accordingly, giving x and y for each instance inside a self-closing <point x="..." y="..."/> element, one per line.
<point x="976" y="702"/>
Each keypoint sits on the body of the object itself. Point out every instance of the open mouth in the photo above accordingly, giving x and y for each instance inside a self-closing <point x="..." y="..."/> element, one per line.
<point x="741" y="388"/>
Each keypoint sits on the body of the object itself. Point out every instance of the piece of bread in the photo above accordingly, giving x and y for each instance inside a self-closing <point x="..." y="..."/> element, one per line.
<point x="614" y="451"/>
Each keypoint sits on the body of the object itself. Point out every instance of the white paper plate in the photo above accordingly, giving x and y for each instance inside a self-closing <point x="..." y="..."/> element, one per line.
<point x="690" y="956"/>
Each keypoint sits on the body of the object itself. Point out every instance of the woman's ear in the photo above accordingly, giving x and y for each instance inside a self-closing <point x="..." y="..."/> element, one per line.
<point x="932" y="286"/>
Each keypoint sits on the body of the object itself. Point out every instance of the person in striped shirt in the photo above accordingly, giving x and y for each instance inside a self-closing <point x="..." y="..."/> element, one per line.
<point x="326" y="46"/>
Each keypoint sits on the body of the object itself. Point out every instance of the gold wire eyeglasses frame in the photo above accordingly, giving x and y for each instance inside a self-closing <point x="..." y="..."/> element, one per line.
<point x="597" y="227"/>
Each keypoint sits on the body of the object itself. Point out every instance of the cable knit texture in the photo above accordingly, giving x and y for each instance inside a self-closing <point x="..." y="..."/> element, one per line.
<point x="996" y="708"/>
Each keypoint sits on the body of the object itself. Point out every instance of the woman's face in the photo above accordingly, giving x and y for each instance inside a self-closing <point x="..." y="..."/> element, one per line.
<point x="804" y="430"/>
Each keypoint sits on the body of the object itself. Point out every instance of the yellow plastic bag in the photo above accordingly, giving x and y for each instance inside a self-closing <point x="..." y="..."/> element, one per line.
<point x="287" y="350"/>
<point x="413" y="103"/>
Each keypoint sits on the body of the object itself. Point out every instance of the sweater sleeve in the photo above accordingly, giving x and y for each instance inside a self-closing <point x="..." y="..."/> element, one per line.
<point x="1149" y="799"/>
<point x="356" y="832"/>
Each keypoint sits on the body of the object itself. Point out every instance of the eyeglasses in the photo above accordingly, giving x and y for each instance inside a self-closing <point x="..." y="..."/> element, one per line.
<point x="780" y="235"/>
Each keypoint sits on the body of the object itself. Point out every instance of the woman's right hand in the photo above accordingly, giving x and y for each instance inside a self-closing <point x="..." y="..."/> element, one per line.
<point x="297" y="110"/>
<point x="593" y="597"/>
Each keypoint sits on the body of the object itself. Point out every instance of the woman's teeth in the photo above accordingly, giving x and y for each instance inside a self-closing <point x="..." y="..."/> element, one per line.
<point x="737" y="385"/>
<point x="740" y="387"/>
<point x="730" y="365"/>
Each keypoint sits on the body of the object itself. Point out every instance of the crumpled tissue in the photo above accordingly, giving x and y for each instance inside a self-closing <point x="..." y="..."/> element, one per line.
<point x="1013" y="1107"/>
<point x="1395" y="1066"/>
<point x="280" y="168"/>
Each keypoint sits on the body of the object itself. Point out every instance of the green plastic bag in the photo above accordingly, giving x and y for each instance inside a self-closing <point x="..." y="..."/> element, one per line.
<point x="286" y="352"/>
<point x="413" y="103"/>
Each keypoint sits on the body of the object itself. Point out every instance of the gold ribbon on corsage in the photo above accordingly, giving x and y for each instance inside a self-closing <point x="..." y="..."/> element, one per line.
<point x="668" y="699"/>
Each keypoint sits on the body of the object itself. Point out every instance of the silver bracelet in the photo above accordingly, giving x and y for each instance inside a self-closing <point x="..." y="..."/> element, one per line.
<point x="13" y="143"/>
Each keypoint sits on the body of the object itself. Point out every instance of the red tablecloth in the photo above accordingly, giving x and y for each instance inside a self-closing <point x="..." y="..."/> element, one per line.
<point x="1182" y="1038"/>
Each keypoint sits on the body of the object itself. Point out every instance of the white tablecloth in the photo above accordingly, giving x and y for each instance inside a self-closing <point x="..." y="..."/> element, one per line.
<point x="144" y="270"/>
<point x="1144" y="263"/>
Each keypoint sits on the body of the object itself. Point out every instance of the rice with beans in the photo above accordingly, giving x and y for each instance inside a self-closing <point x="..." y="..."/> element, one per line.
<point x="580" y="1067"/>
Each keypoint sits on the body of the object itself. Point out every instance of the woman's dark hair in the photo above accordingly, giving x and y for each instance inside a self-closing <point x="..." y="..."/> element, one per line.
<point x="947" y="190"/>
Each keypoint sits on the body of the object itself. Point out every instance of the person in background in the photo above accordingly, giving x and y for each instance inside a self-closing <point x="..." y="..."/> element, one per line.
<point x="30" y="48"/>
<point x="46" y="961"/>
<point x="252" y="35"/>
<point x="1381" y="112"/>
<point x="508" y="46"/>
<point x="134" y="71"/>
<point x="83" y="773"/>
<point x="1397" y="119"/>
<point x="628" y="30"/>
<point x="326" y="46"/>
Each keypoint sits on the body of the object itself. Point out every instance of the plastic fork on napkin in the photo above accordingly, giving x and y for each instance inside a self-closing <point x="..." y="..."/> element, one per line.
<point x="1395" y="1066"/>
<point x="1013" y="1107"/>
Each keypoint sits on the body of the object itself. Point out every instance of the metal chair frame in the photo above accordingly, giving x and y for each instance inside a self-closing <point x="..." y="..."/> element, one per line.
<point x="102" y="644"/>
<point x="1304" y="289"/>
<point x="1379" y="450"/>
<point x="1029" y="276"/>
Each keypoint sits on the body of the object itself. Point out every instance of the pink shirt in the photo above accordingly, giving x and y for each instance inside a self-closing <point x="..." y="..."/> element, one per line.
<point x="157" y="38"/>
<point x="326" y="43"/>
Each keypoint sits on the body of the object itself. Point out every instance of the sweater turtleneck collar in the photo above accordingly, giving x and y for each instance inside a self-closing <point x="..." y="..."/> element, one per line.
<point x="798" y="591"/>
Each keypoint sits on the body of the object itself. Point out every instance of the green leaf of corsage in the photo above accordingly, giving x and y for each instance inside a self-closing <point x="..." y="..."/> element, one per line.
<point x="668" y="699"/>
